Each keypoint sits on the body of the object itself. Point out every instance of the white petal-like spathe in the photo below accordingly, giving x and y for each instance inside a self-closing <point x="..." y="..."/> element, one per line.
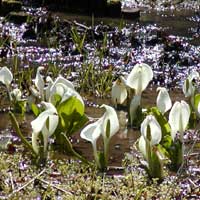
<point x="193" y="75"/>
<point x="135" y="103"/>
<point x="91" y="133"/>
<point x="59" y="89"/>
<point x="71" y="92"/>
<point x="38" y="123"/>
<point x="53" y="122"/>
<point x="163" y="101"/>
<point x="185" y="115"/>
<point x="6" y="76"/>
<point x="64" y="81"/>
<point x="140" y="77"/>
<point x="174" y="118"/>
<point x="34" y="92"/>
<point x="188" y="86"/>
<point x="48" y="87"/>
<point x="49" y="106"/>
<point x="64" y="91"/>
<point x="118" y="92"/>
<point x="142" y="146"/>
<point x="17" y="94"/>
<point x="155" y="129"/>
<point x="179" y="117"/>
<point x="39" y="82"/>
<point x="111" y="115"/>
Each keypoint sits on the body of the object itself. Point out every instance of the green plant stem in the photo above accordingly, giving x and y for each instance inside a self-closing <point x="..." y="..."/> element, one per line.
<point x="74" y="153"/>
<point x="106" y="151"/>
<point x="9" y="96"/>
<point x="18" y="131"/>
<point x="96" y="157"/>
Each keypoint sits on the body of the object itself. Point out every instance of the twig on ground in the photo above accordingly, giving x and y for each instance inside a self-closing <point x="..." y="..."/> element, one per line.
<point x="28" y="183"/>
<point x="56" y="187"/>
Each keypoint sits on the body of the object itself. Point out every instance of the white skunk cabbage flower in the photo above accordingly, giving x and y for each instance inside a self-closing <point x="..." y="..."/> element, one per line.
<point x="110" y="115"/>
<point x="188" y="86"/>
<point x="163" y="101"/>
<point x="39" y="82"/>
<point x="64" y="81"/>
<point x="155" y="129"/>
<point x="6" y="76"/>
<point x="139" y="77"/>
<point x="179" y="118"/>
<point x="118" y="92"/>
<point x="155" y="134"/>
<point x="92" y="132"/>
<point x="99" y="127"/>
<point x="46" y="123"/>
<point x="65" y="92"/>
<point x="64" y="88"/>
<point x="135" y="103"/>
<point x="16" y="94"/>
<point x="49" y="82"/>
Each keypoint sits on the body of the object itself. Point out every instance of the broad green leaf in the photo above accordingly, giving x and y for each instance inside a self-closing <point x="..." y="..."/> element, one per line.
<point x="71" y="113"/>
<point x="69" y="105"/>
<point x="78" y="124"/>
<point x="167" y="142"/>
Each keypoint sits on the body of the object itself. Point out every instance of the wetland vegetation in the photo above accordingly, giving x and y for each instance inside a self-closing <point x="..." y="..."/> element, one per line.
<point x="100" y="108"/>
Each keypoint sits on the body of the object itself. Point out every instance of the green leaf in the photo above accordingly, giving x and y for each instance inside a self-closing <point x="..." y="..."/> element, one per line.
<point x="78" y="124"/>
<point x="35" y="109"/>
<point x="196" y="101"/>
<point x="56" y="99"/>
<point x="72" y="117"/>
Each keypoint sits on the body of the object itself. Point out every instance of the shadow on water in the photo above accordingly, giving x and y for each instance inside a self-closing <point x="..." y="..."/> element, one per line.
<point x="174" y="22"/>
